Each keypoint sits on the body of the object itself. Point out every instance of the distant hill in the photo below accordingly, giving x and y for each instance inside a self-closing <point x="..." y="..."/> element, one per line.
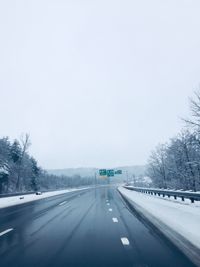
<point x="83" y="172"/>
<point x="89" y="172"/>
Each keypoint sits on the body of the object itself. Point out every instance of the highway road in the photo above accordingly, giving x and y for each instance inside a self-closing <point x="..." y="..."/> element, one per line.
<point x="90" y="228"/>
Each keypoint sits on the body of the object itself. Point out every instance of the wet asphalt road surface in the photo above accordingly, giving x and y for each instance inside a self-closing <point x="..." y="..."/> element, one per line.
<point x="89" y="228"/>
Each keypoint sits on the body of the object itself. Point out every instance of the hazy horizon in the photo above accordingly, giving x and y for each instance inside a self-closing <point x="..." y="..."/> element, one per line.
<point x="97" y="83"/>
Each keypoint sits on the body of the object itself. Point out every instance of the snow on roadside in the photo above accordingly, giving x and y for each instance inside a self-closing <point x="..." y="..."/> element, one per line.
<point x="182" y="218"/>
<point x="15" y="200"/>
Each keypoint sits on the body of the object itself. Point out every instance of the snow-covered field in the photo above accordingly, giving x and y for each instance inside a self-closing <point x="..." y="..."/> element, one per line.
<point x="170" y="217"/>
<point x="15" y="200"/>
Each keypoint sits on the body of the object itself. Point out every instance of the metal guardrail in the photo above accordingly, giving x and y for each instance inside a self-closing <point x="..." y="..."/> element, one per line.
<point x="16" y="194"/>
<point x="28" y="193"/>
<point x="34" y="192"/>
<point x="193" y="196"/>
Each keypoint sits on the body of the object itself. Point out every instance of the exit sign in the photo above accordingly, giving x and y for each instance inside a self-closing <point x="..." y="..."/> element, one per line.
<point x="118" y="172"/>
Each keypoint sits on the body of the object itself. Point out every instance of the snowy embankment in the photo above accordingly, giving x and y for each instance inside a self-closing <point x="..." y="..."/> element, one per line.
<point x="17" y="200"/>
<point x="179" y="221"/>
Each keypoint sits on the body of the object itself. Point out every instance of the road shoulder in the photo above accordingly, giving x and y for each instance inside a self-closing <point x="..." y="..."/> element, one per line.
<point x="191" y="250"/>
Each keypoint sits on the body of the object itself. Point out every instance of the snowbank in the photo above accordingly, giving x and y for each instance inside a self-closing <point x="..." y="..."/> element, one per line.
<point x="180" y="222"/>
<point x="15" y="200"/>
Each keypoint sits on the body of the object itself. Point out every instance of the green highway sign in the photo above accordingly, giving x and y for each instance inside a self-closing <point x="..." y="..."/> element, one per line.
<point x="110" y="173"/>
<point x="102" y="172"/>
<point x="118" y="172"/>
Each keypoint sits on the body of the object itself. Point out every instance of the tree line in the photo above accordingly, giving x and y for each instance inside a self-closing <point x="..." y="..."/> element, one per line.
<point x="20" y="172"/>
<point x="176" y="164"/>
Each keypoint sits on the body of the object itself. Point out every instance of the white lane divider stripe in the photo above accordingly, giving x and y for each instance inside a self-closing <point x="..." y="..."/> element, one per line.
<point x="115" y="220"/>
<point x="125" y="241"/>
<point x="108" y="204"/>
<point x="6" y="231"/>
<point x="62" y="203"/>
<point x="110" y="209"/>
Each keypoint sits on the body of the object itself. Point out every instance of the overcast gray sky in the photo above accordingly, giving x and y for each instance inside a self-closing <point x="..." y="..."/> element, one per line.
<point x="97" y="83"/>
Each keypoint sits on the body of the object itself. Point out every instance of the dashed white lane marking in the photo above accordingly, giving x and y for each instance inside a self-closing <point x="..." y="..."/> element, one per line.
<point x="62" y="203"/>
<point x="115" y="220"/>
<point x="110" y="209"/>
<point x="125" y="241"/>
<point x="6" y="231"/>
<point x="108" y="204"/>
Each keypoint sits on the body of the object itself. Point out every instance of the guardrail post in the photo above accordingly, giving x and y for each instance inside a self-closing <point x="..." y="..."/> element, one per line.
<point x="182" y="198"/>
<point x="192" y="200"/>
<point x="175" y="197"/>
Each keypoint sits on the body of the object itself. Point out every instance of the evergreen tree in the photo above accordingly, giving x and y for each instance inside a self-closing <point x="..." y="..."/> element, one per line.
<point x="16" y="152"/>
<point x="35" y="175"/>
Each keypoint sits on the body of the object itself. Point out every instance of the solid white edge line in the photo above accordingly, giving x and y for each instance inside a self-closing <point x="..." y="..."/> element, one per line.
<point x="6" y="231"/>
<point x="115" y="220"/>
<point x="125" y="241"/>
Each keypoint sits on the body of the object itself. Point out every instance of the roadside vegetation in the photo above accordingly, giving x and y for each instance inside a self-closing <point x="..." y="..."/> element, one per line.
<point x="176" y="164"/>
<point x="20" y="172"/>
